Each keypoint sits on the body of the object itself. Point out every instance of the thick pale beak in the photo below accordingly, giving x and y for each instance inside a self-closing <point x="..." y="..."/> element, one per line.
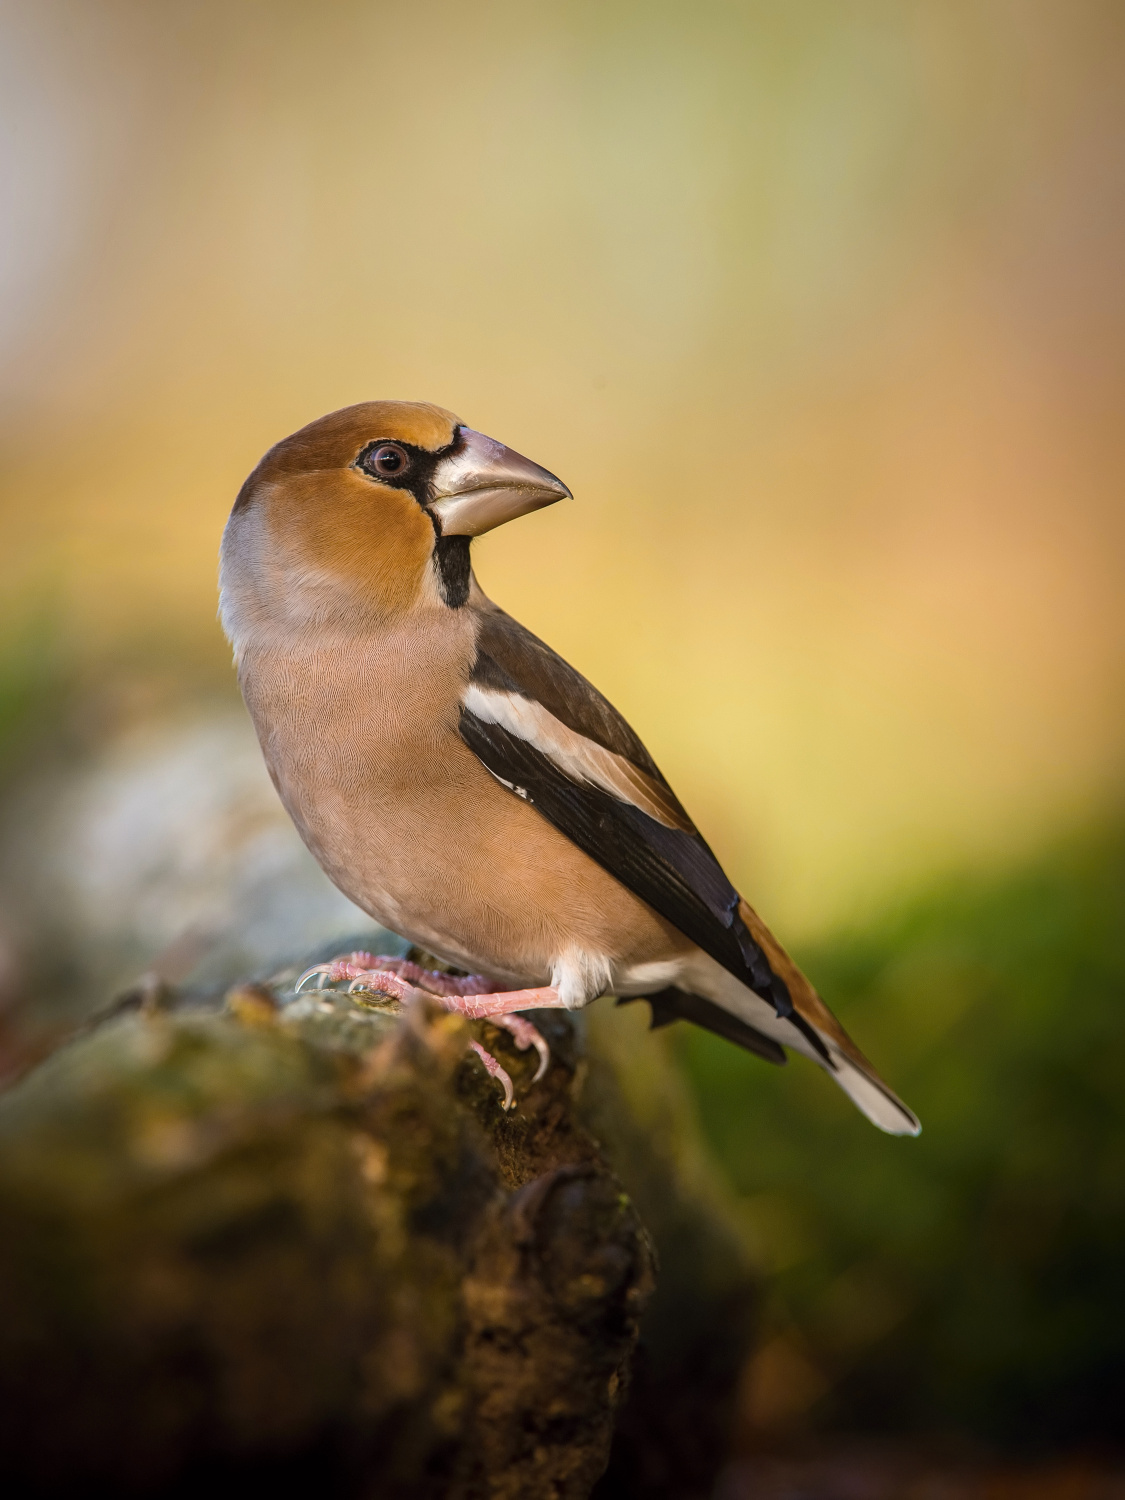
<point x="485" y="484"/>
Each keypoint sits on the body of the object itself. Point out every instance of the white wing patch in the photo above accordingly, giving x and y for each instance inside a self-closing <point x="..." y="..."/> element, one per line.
<point x="576" y="756"/>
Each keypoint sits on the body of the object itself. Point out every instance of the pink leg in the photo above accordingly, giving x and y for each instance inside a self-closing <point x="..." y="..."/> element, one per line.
<point x="362" y="965"/>
<point x="463" y="995"/>
<point x="487" y="1007"/>
<point x="494" y="1070"/>
<point x="432" y="980"/>
<point x="526" y="1036"/>
<point x="405" y="981"/>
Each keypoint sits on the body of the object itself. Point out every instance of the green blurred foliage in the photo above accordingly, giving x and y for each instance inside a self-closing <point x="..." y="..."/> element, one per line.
<point x="973" y="1278"/>
<point x="33" y="673"/>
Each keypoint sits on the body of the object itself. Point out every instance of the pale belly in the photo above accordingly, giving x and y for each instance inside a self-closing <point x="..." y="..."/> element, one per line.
<point x="423" y="838"/>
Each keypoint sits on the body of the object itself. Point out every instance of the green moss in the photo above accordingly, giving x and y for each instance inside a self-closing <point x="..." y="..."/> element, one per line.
<point x="975" y="1276"/>
<point x="232" y="1238"/>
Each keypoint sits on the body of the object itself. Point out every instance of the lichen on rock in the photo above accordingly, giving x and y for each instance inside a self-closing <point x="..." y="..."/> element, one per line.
<point x="295" y="1238"/>
<point x="307" y="1233"/>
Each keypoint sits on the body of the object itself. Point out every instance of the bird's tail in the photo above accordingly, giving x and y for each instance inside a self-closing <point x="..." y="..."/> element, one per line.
<point x="870" y="1094"/>
<point x="846" y="1063"/>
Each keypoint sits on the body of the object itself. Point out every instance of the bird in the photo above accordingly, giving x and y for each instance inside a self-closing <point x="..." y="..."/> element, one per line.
<point x="461" y="782"/>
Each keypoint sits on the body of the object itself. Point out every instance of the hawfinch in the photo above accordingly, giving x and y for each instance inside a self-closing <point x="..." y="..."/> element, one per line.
<point x="458" y="780"/>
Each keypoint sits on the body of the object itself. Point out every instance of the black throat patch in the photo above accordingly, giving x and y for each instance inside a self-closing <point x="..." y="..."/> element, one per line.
<point x="451" y="562"/>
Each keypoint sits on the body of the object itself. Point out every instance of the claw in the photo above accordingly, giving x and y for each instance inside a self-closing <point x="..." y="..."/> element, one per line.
<point x="427" y="979"/>
<point x="494" y="1070"/>
<point x="360" y="977"/>
<point x="384" y="982"/>
<point x="318" y="971"/>
<point x="526" y="1036"/>
<point x="334" y="972"/>
<point x="348" y="966"/>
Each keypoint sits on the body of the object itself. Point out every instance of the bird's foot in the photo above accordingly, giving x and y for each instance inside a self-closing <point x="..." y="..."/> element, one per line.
<point x="361" y="969"/>
<point x="360" y="976"/>
<point x="403" y="980"/>
<point x="494" y="1070"/>
<point x="496" y="1008"/>
<point x="526" y="1035"/>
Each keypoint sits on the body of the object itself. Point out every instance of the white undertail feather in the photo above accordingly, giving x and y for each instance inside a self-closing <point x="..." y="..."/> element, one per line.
<point x="876" y="1101"/>
<point x="703" y="976"/>
<point x="580" y="976"/>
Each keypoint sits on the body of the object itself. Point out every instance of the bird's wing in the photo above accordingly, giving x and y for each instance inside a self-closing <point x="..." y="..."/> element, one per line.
<point x="539" y="727"/>
<point x="544" y="731"/>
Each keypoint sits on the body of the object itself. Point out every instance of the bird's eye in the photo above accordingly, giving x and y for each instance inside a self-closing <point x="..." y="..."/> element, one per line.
<point x="387" y="461"/>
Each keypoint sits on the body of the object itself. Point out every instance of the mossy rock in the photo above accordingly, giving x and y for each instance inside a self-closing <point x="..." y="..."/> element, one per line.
<point x="297" y="1241"/>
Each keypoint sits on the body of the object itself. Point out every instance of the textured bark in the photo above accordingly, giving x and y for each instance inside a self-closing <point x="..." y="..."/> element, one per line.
<point x="299" y="1244"/>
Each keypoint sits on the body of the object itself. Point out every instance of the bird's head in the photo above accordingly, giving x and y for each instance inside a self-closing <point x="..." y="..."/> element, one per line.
<point x="369" y="512"/>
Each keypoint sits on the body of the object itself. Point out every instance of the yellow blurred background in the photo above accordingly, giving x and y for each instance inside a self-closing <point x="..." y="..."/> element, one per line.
<point x="819" y="309"/>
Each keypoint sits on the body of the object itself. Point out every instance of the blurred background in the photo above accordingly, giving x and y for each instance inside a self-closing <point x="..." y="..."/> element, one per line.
<point x="819" y="310"/>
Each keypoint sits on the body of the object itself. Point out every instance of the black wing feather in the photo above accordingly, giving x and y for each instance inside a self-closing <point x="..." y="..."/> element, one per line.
<point x="613" y="833"/>
<point x="680" y="1005"/>
<point x="674" y="871"/>
<point x="509" y="656"/>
